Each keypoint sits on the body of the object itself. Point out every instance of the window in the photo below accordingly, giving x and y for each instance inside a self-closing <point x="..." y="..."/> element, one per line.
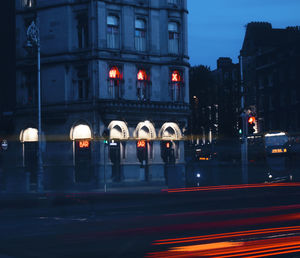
<point x="173" y="2"/>
<point x="113" y="34"/>
<point x="176" y="86"/>
<point x="82" y="30"/>
<point x="114" y="82"/>
<point x="29" y="3"/>
<point x="173" y="38"/>
<point x="82" y="83"/>
<point x="140" y="35"/>
<point x="143" y="85"/>
<point x="30" y="85"/>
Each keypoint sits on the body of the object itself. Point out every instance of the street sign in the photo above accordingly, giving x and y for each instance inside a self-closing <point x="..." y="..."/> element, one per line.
<point x="4" y="144"/>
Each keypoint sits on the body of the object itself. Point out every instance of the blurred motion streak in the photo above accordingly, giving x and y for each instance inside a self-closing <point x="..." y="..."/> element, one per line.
<point x="247" y="248"/>
<point x="230" y="187"/>
<point x="185" y="227"/>
<point x="206" y="247"/>
<point x="227" y="235"/>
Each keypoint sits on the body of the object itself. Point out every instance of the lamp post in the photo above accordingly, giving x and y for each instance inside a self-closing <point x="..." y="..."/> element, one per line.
<point x="244" y="116"/>
<point x="33" y="38"/>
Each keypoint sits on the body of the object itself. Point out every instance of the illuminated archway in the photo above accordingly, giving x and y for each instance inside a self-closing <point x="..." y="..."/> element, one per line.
<point x="29" y="135"/>
<point x="145" y="130"/>
<point x="29" y="139"/>
<point x="80" y="131"/>
<point x="81" y="135"/>
<point x="118" y="130"/>
<point x="170" y="131"/>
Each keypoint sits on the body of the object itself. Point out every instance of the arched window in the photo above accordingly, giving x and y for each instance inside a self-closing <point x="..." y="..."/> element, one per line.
<point x="140" y="35"/>
<point x="82" y="30"/>
<point x="113" y="34"/>
<point x="118" y="131"/>
<point x="176" y="86"/>
<point x="173" y="37"/>
<point x="81" y="132"/>
<point x="114" y="82"/>
<point x="171" y="132"/>
<point x="146" y="131"/>
<point x="143" y="85"/>
<point x="81" y="135"/>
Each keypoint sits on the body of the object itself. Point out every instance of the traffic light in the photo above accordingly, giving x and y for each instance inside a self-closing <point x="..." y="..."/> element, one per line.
<point x="251" y="124"/>
<point x="240" y="125"/>
<point x="141" y="149"/>
<point x="105" y="136"/>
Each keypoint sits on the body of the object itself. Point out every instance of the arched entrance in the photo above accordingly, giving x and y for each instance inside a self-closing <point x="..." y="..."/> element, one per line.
<point x="81" y="136"/>
<point x="170" y="132"/>
<point x="145" y="134"/>
<point x="118" y="133"/>
<point x="29" y="139"/>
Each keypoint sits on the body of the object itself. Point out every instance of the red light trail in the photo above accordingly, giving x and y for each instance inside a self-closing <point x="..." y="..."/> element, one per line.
<point x="229" y="187"/>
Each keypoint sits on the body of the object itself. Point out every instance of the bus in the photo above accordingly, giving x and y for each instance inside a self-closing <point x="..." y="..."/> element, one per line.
<point x="277" y="157"/>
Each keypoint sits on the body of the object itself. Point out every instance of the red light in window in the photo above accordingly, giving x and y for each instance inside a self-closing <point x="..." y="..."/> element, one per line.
<point x="176" y="76"/>
<point x="142" y="76"/>
<point x="84" y="144"/>
<point x="114" y="73"/>
<point x="141" y="144"/>
<point x="168" y="145"/>
<point x="251" y="120"/>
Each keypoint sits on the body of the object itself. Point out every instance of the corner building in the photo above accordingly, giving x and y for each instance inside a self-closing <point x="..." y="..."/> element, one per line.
<point x="116" y="65"/>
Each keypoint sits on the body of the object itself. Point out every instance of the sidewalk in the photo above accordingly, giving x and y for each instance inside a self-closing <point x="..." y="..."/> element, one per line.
<point x="69" y="197"/>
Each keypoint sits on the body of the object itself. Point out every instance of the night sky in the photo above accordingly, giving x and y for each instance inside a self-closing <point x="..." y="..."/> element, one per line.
<point x="217" y="27"/>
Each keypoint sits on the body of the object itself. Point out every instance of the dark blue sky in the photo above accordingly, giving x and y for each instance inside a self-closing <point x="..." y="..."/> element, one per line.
<point x="217" y="27"/>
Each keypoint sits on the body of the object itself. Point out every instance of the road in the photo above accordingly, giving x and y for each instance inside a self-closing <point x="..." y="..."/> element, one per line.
<point x="237" y="221"/>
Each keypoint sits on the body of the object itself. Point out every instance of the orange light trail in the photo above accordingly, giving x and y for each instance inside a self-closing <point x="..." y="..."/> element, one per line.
<point x="229" y="187"/>
<point x="227" y="235"/>
<point x="228" y="249"/>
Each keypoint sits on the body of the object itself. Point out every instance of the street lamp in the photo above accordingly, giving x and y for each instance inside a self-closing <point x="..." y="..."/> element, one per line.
<point x="33" y="38"/>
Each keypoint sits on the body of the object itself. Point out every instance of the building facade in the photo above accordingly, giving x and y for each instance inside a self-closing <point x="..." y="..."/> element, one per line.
<point x="215" y="101"/>
<point x="120" y="66"/>
<point x="226" y="79"/>
<point x="270" y="59"/>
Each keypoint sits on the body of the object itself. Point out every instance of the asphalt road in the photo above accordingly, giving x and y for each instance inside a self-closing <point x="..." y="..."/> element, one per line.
<point x="204" y="222"/>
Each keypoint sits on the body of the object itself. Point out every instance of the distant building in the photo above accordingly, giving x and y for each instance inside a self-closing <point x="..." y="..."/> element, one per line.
<point x="215" y="101"/>
<point x="227" y="82"/>
<point x="271" y="59"/>
<point x="203" y="98"/>
<point x="118" y="65"/>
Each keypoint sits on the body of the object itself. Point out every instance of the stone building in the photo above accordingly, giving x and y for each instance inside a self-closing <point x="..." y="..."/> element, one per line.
<point x="120" y="65"/>
<point x="271" y="59"/>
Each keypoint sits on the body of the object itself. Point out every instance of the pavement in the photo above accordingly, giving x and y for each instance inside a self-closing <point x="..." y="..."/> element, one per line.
<point x="116" y="196"/>
<point x="54" y="199"/>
